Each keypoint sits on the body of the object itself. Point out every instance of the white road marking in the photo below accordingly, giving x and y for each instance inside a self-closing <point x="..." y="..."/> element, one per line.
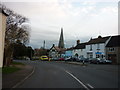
<point x="77" y="80"/>
<point x="90" y="86"/>
<point x="15" y="86"/>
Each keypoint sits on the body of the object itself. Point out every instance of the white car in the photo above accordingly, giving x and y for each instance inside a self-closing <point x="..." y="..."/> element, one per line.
<point x="67" y="58"/>
<point x="108" y="61"/>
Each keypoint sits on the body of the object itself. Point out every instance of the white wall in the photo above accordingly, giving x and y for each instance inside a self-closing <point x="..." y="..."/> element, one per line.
<point x="95" y="47"/>
<point x="80" y="52"/>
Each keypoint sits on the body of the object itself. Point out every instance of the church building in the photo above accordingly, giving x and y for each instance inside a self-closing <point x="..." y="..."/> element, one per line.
<point x="58" y="51"/>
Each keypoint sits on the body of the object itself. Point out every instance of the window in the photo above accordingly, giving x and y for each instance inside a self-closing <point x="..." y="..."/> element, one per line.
<point x="90" y="47"/>
<point x="53" y="50"/>
<point x="111" y="49"/>
<point x="97" y="56"/>
<point x="91" y="56"/>
<point x="98" y="46"/>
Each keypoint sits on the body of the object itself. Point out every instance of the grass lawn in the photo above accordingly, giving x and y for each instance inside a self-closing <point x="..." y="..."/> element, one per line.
<point x="12" y="68"/>
<point x="17" y="63"/>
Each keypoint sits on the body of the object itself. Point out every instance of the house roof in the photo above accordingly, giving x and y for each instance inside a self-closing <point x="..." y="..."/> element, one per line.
<point x="57" y="48"/>
<point x="80" y="46"/>
<point x="71" y="48"/>
<point x="98" y="40"/>
<point x="114" y="41"/>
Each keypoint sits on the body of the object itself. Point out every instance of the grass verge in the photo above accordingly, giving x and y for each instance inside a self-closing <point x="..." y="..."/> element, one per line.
<point x="12" y="68"/>
<point x="7" y="70"/>
<point x="17" y="63"/>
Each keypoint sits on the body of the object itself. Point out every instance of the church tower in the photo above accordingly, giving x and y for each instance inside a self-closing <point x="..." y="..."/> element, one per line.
<point x="61" y="40"/>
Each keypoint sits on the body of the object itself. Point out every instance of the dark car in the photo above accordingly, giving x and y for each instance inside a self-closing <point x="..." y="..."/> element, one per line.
<point x="92" y="60"/>
<point x="75" y="59"/>
<point x="83" y="59"/>
<point x="61" y="59"/>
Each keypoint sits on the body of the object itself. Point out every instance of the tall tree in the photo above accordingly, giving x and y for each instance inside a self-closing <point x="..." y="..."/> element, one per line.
<point x="15" y="30"/>
<point x="30" y="52"/>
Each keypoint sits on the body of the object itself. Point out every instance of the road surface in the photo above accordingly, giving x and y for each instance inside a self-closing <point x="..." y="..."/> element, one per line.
<point x="63" y="75"/>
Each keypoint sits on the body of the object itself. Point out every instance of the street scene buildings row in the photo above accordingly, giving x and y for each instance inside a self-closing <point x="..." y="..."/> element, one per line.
<point x="102" y="47"/>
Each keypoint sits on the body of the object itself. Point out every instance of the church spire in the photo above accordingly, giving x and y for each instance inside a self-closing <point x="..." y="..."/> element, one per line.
<point x="61" y="40"/>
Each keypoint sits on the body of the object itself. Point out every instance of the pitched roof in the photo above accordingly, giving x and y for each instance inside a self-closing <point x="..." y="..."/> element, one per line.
<point x="98" y="40"/>
<point x="71" y="48"/>
<point x="80" y="46"/>
<point x="114" y="41"/>
<point x="57" y="48"/>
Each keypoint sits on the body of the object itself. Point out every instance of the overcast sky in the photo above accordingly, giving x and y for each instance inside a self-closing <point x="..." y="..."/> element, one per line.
<point x="80" y="19"/>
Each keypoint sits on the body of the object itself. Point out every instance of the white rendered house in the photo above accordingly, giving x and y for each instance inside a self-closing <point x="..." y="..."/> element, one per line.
<point x="80" y="49"/>
<point x="95" y="48"/>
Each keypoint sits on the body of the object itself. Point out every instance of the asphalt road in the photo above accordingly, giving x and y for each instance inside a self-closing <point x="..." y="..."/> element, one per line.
<point x="63" y="75"/>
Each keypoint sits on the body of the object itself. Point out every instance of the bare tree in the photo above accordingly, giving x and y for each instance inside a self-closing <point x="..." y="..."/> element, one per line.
<point x="15" y="30"/>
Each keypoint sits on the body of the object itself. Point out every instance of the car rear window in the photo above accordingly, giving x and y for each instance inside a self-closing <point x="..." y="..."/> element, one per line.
<point x="44" y="57"/>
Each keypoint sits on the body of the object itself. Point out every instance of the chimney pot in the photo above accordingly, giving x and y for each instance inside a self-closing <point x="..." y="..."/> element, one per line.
<point x="78" y="41"/>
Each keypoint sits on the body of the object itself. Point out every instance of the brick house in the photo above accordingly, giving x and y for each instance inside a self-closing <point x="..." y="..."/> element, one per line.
<point x="113" y="49"/>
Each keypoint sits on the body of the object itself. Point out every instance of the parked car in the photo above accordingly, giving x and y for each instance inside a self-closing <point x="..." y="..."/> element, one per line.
<point x="83" y="59"/>
<point x="27" y="58"/>
<point x="68" y="59"/>
<point x="44" y="58"/>
<point x="107" y="61"/>
<point x="96" y="61"/>
<point x="74" y="59"/>
<point x="61" y="59"/>
<point x="54" y="59"/>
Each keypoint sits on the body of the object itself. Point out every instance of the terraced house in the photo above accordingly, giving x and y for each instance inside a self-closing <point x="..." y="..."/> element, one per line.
<point x="95" y="48"/>
<point x="80" y="49"/>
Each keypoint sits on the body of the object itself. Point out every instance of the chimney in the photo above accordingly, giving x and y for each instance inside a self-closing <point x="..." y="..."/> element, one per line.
<point x="78" y="42"/>
<point x="53" y="45"/>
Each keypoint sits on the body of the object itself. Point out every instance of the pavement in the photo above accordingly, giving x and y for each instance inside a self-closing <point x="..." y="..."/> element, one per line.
<point x="12" y="80"/>
<point x="78" y="63"/>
